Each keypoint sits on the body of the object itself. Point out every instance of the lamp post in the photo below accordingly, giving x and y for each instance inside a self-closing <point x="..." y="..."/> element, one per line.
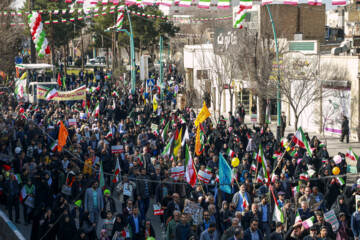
<point x="132" y="53"/>
<point x="161" y="68"/>
<point x="278" y="96"/>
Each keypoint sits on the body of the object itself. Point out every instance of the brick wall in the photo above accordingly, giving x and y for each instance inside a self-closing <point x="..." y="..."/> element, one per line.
<point x="288" y="19"/>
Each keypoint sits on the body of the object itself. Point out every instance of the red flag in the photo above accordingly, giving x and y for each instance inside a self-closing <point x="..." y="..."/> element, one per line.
<point x="59" y="80"/>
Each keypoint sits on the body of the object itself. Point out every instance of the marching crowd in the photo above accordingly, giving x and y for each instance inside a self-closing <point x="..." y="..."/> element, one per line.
<point x="121" y="147"/>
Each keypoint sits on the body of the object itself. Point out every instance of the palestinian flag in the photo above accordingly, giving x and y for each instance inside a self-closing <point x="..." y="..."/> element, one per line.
<point x="116" y="172"/>
<point x="230" y="153"/>
<point x="51" y="94"/>
<point x="300" y="140"/>
<point x="164" y="133"/>
<point x="109" y="134"/>
<point x="276" y="155"/>
<point x="350" y="154"/>
<point x="115" y="93"/>
<point x="96" y="110"/>
<point x="304" y="176"/>
<point x="54" y="145"/>
<point x="308" y="223"/>
<point x="261" y="159"/>
<point x="341" y="181"/>
<point x="298" y="218"/>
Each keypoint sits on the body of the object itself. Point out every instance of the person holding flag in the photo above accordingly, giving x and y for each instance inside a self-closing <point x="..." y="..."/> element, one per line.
<point x="241" y="199"/>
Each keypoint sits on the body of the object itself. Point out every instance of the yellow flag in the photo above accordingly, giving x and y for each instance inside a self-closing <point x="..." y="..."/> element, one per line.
<point x="155" y="103"/>
<point x="197" y="142"/>
<point x="204" y="114"/>
<point x="177" y="144"/>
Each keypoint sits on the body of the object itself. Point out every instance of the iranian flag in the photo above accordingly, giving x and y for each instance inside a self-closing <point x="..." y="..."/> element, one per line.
<point x="96" y="110"/>
<point x="297" y="218"/>
<point x="76" y="110"/>
<point x="338" y="2"/>
<point x="315" y="2"/>
<point x="304" y="176"/>
<point x="291" y="2"/>
<point x="190" y="173"/>
<point x="277" y="215"/>
<point x="116" y="172"/>
<point x="260" y="178"/>
<point x="51" y="94"/>
<point x="300" y="140"/>
<point x="246" y="4"/>
<point x="223" y="4"/>
<point x="350" y="154"/>
<point x="261" y="159"/>
<point x="230" y="153"/>
<point x="253" y="167"/>
<point x="164" y="133"/>
<point x="308" y="223"/>
<point x="239" y="17"/>
<point x="54" y="145"/>
<point x="204" y="4"/>
<point x="294" y="153"/>
<point x="276" y="155"/>
<point x="182" y="120"/>
<point x="115" y="93"/>
<point x="109" y="134"/>
<point x="295" y="190"/>
<point x="167" y="3"/>
<point x="185" y="3"/>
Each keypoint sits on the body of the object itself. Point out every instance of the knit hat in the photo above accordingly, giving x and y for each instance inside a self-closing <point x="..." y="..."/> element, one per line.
<point x="106" y="191"/>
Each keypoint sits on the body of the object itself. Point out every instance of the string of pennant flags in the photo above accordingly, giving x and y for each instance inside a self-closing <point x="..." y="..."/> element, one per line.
<point x="121" y="9"/>
<point x="205" y="4"/>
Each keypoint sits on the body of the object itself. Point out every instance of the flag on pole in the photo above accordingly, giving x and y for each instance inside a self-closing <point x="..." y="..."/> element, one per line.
<point x="63" y="135"/>
<point x="109" y="134"/>
<point x="260" y="178"/>
<point x="177" y="143"/>
<point x="116" y="172"/>
<point x="246" y="4"/>
<point x="197" y="142"/>
<point x="341" y="180"/>
<point x="155" y="103"/>
<point x="204" y="4"/>
<point x="350" y="154"/>
<point x="225" y="175"/>
<point x="54" y="145"/>
<point x="261" y="159"/>
<point x="190" y="173"/>
<point x="59" y="80"/>
<point x="253" y="167"/>
<point x="300" y="140"/>
<point x="168" y="147"/>
<point x="115" y="93"/>
<point x="96" y="110"/>
<point x="276" y="155"/>
<point x="223" y="4"/>
<point x="230" y="152"/>
<point x="185" y="137"/>
<point x="203" y="115"/>
<point x="304" y="176"/>
<point x="278" y="216"/>
<point x="164" y="132"/>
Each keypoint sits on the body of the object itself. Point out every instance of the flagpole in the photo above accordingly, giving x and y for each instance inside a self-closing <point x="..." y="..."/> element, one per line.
<point x="197" y="177"/>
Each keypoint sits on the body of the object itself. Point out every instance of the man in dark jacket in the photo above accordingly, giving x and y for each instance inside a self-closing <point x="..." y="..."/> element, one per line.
<point x="144" y="191"/>
<point x="12" y="191"/>
<point x="174" y="204"/>
<point x="253" y="230"/>
<point x="77" y="188"/>
<point x="182" y="229"/>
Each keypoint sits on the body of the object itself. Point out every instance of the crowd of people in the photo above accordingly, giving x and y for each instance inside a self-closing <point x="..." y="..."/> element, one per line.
<point x="71" y="191"/>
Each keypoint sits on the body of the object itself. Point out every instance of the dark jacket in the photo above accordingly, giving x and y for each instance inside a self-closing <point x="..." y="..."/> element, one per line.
<point x="140" y="186"/>
<point x="247" y="234"/>
<point x="179" y="232"/>
<point x="131" y="222"/>
<point x="7" y="188"/>
<point x="110" y="201"/>
<point x="171" y="207"/>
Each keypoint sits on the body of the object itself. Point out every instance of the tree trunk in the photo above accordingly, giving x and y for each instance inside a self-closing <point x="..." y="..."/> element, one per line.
<point x="65" y="59"/>
<point x="231" y="94"/>
<point x="262" y="110"/>
<point x="219" y="105"/>
<point x="107" y="58"/>
<point x="296" y="122"/>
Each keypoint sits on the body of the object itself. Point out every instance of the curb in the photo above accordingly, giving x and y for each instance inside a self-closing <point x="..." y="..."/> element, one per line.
<point x="12" y="226"/>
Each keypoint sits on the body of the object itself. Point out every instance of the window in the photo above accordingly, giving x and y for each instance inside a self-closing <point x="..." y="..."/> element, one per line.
<point x="202" y="74"/>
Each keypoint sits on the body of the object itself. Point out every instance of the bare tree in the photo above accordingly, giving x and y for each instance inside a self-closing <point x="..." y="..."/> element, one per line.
<point x="302" y="81"/>
<point x="10" y="38"/>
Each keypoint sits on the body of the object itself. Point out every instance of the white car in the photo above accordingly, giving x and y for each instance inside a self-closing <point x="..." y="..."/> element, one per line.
<point x="98" y="60"/>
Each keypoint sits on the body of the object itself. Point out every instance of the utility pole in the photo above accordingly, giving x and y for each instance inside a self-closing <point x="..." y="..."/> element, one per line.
<point x="82" y="50"/>
<point x="32" y="44"/>
<point x="52" y="44"/>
